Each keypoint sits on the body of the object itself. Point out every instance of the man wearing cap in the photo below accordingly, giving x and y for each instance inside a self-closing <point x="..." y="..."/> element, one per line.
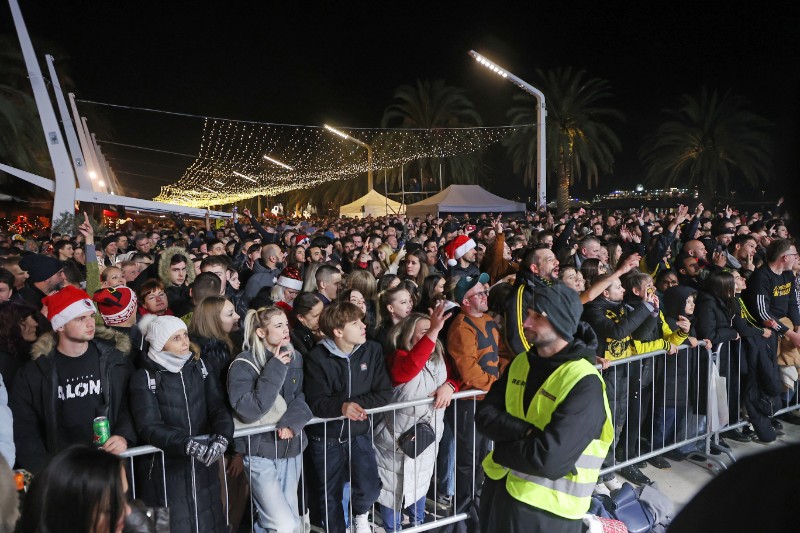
<point x="45" y="276"/>
<point x="473" y="341"/>
<point x="71" y="379"/>
<point x="549" y="418"/>
<point x="461" y="257"/>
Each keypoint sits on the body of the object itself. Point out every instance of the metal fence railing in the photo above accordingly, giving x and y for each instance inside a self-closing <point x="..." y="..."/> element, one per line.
<point x="442" y="480"/>
<point x="660" y="402"/>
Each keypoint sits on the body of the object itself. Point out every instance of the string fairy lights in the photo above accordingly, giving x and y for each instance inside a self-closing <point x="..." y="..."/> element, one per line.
<point x="239" y="160"/>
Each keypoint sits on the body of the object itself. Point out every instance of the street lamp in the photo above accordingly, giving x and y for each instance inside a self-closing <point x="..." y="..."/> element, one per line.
<point x="343" y="135"/>
<point x="541" y="114"/>
<point x="279" y="163"/>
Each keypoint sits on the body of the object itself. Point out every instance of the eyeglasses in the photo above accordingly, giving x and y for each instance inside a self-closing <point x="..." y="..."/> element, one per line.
<point x="481" y="294"/>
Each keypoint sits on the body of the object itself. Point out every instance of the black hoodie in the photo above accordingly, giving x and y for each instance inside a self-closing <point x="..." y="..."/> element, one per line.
<point x="578" y="420"/>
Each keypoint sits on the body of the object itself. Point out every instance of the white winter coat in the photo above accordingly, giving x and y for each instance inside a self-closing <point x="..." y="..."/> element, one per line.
<point x="406" y="480"/>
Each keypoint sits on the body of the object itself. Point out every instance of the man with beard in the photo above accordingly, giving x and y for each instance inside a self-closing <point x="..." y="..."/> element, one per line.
<point x="461" y="257"/>
<point x="539" y="269"/>
<point x="45" y="276"/>
<point x="549" y="418"/>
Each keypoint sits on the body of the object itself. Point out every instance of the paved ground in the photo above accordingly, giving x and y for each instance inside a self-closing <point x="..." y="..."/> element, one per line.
<point x="681" y="482"/>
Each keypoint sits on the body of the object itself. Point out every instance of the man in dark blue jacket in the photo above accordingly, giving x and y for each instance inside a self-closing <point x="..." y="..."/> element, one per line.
<point x="345" y="374"/>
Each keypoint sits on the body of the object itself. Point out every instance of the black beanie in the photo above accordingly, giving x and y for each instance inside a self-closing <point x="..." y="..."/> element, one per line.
<point x="40" y="267"/>
<point x="562" y="307"/>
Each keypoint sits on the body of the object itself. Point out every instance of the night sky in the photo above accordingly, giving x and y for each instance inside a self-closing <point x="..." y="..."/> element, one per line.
<point x="339" y="62"/>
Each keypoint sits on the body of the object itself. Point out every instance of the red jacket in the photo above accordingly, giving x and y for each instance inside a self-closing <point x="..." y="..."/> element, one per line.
<point x="405" y="365"/>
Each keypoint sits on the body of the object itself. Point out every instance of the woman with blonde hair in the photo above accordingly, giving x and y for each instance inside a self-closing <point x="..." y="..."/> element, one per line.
<point x="418" y="370"/>
<point x="265" y="387"/>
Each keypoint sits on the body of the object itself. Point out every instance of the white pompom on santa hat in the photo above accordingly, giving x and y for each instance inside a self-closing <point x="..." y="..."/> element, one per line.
<point x="455" y="249"/>
<point x="66" y="304"/>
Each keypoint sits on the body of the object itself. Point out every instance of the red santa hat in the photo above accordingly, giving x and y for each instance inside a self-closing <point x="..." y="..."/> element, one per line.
<point x="116" y="305"/>
<point x="301" y="239"/>
<point x="66" y="304"/>
<point x="290" y="278"/>
<point x="455" y="249"/>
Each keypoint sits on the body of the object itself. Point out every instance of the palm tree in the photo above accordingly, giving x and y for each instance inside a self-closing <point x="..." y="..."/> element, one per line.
<point x="708" y="141"/>
<point x="427" y="105"/>
<point x="22" y="143"/>
<point x="579" y="138"/>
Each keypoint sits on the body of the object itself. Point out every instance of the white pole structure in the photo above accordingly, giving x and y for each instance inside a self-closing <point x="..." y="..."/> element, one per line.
<point x="343" y="135"/>
<point x="64" y="194"/>
<point x="69" y="129"/>
<point x="541" y="115"/>
<point x="90" y="149"/>
<point x="101" y="160"/>
<point x="91" y="165"/>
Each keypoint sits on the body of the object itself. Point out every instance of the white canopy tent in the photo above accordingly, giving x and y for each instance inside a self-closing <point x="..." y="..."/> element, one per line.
<point x="373" y="203"/>
<point x="463" y="199"/>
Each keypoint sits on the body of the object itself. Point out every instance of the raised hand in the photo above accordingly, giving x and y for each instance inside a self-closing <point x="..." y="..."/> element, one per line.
<point x="86" y="229"/>
<point x="629" y="264"/>
<point x="438" y="317"/>
<point x="684" y="324"/>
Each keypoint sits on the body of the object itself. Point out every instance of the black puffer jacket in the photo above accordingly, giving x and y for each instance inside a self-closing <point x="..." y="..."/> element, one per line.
<point x="34" y="397"/>
<point x="302" y="339"/>
<point x="217" y="357"/>
<point x="185" y="404"/>
<point x="713" y="321"/>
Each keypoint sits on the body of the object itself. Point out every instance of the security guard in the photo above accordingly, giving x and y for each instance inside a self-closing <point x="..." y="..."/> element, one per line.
<point x="550" y="420"/>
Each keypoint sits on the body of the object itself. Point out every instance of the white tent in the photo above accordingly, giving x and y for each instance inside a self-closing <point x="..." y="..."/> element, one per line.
<point x="373" y="203"/>
<point x="463" y="199"/>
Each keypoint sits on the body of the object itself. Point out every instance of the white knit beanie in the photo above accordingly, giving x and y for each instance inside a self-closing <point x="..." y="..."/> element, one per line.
<point x="158" y="329"/>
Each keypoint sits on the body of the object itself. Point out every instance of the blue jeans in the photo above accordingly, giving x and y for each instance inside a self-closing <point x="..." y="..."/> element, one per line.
<point x="695" y="426"/>
<point x="392" y="518"/>
<point x="273" y="483"/>
<point x="663" y="427"/>
<point x="330" y="460"/>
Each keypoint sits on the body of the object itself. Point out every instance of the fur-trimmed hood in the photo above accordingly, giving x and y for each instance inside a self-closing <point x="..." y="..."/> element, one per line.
<point x="47" y="342"/>
<point x="163" y="265"/>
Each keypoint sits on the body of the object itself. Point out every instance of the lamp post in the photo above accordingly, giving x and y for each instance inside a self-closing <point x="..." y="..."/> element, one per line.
<point x="343" y="135"/>
<point x="541" y="114"/>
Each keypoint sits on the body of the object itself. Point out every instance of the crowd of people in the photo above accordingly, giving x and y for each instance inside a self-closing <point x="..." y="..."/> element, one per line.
<point x="178" y="335"/>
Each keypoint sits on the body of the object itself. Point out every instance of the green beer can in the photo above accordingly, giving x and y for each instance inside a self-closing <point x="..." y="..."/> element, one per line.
<point x="101" y="430"/>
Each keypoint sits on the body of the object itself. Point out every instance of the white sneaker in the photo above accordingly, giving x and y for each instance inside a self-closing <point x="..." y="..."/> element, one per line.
<point x="601" y="489"/>
<point x="613" y="483"/>
<point x="361" y="524"/>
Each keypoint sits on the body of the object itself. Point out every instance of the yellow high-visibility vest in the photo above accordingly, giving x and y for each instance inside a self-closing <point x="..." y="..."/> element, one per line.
<point x="569" y="496"/>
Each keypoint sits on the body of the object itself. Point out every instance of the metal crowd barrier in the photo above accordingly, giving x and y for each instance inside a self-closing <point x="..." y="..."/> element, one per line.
<point x="659" y="402"/>
<point x="435" y="516"/>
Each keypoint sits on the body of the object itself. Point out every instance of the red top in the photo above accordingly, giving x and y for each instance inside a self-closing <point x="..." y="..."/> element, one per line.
<point x="405" y="365"/>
